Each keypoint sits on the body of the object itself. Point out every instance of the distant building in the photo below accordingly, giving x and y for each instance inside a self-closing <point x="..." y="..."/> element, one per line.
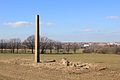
<point x="85" y="45"/>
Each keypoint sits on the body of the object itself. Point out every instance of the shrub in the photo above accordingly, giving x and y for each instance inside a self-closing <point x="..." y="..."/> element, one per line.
<point x="87" y="51"/>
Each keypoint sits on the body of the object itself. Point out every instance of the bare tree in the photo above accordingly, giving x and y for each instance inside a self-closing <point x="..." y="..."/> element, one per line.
<point x="5" y="46"/>
<point x="51" y="45"/>
<point x="29" y="42"/>
<point x="24" y="46"/>
<point x="58" y="46"/>
<point x="68" y="47"/>
<point x="17" y="44"/>
<point x="12" y="44"/>
<point x="43" y="44"/>
<point x="2" y="45"/>
<point x="75" y="46"/>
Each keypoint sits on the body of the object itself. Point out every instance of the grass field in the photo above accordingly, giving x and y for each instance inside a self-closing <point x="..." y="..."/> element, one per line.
<point x="96" y="58"/>
<point x="111" y="60"/>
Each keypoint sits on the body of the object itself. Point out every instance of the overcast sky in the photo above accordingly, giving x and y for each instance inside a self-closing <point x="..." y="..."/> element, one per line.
<point x="63" y="20"/>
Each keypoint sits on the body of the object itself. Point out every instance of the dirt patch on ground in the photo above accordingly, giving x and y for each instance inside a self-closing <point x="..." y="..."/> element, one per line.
<point x="26" y="69"/>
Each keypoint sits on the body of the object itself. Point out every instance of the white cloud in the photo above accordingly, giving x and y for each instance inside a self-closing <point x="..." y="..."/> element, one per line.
<point x="88" y="30"/>
<point x="18" y="24"/>
<point x="112" y="17"/>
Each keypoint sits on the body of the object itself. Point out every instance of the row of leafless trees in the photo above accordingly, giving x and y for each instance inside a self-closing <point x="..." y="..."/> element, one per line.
<point x="27" y="46"/>
<point x="108" y="49"/>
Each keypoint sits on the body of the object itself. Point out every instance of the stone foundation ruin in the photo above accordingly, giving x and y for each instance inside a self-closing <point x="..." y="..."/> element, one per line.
<point x="63" y="65"/>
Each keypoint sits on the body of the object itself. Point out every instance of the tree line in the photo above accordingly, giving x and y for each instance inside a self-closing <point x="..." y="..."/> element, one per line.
<point x="47" y="45"/>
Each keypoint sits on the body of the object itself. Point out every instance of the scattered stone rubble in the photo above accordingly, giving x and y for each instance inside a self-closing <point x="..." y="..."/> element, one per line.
<point x="63" y="65"/>
<point x="74" y="67"/>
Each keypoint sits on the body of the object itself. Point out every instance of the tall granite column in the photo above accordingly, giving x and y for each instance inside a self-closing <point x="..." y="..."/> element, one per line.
<point x="37" y="55"/>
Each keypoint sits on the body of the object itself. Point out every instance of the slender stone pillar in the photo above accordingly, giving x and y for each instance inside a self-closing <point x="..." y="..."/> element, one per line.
<point x="37" y="55"/>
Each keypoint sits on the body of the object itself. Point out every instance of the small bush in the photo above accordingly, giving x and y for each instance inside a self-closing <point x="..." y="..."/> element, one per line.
<point x="87" y="51"/>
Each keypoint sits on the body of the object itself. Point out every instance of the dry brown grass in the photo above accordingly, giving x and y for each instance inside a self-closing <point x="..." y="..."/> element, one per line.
<point x="11" y="68"/>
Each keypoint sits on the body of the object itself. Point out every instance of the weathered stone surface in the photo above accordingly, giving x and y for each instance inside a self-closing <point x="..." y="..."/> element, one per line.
<point x="102" y="68"/>
<point x="64" y="62"/>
